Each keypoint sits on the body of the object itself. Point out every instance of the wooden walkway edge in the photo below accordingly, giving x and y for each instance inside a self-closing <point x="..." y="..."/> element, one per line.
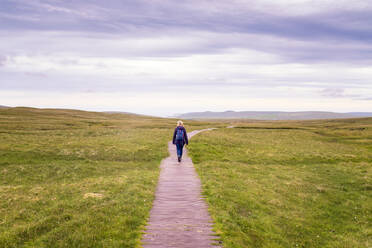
<point x="179" y="216"/>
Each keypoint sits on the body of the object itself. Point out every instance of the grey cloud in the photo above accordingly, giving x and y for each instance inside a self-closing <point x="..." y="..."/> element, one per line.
<point x="36" y="74"/>
<point x="175" y="44"/>
<point x="339" y="92"/>
<point x="57" y="46"/>
<point x="333" y="92"/>
<point x="366" y="99"/>
<point x="3" y="60"/>
<point x="337" y="35"/>
<point x="61" y="82"/>
<point x="154" y="16"/>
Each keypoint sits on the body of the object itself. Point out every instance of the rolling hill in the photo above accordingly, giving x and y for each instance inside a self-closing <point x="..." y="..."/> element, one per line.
<point x="272" y="115"/>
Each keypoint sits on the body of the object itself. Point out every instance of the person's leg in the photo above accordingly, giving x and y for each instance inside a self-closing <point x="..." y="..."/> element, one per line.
<point x="179" y="150"/>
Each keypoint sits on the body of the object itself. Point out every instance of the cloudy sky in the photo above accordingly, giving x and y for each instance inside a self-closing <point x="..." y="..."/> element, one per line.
<point x="162" y="57"/>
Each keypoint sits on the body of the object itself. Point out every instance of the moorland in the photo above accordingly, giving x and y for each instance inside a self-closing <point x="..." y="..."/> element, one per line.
<point x="289" y="183"/>
<point x="72" y="178"/>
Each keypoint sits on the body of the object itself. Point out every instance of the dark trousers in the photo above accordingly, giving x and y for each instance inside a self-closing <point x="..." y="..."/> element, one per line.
<point x="179" y="146"/>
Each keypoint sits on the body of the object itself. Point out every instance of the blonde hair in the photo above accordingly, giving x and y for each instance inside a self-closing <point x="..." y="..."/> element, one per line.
<point x="179" y="123"/>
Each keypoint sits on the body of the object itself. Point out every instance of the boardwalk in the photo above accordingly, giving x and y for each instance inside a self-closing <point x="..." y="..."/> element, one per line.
<point x="179" y="217"/>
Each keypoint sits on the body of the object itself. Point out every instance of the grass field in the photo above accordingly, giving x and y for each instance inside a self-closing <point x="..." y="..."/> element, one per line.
<point x="83" y="179"/>
<point x="289" y="184"/>
<point x="78" y="179"/>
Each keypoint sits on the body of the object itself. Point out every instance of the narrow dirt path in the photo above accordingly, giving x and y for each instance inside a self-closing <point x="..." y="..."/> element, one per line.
<point x="179" y="216"/>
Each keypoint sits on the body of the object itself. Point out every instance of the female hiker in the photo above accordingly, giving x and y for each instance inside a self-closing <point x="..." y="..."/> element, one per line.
<point x="180" y="139"/>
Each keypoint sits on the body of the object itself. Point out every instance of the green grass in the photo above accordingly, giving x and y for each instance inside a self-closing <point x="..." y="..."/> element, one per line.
<point x="84" y="179"/>
<point x="289" y="184"/>
<point x="78" y="179"/>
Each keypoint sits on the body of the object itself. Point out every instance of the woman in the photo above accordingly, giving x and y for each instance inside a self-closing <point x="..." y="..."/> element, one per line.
<point x="180" y="139"/>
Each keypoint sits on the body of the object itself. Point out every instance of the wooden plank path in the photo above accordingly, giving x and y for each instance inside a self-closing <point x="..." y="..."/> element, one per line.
<point x="179" y="216"/>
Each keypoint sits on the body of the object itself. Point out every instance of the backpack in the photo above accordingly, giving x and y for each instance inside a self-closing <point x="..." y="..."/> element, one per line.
<point x="180" y="134"/>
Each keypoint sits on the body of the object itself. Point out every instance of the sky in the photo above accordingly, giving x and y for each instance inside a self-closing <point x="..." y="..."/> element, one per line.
<point x="163" y="57"/>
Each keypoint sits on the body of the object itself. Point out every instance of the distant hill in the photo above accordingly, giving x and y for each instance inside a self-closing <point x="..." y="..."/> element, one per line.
<point x="361" y="114"/>
<point x="2" y="106"/>
<point x="128" y="113"/>
<point x="272" y="115"/>
<point x="119" y="112"/>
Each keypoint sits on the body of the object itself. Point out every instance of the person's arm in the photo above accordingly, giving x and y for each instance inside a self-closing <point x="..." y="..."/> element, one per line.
<point x="174" y="136"/>
<point x="186" y="138"/>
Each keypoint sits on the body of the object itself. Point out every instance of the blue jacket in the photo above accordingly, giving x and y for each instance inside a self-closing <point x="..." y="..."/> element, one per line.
<point x="185" y="139"/>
